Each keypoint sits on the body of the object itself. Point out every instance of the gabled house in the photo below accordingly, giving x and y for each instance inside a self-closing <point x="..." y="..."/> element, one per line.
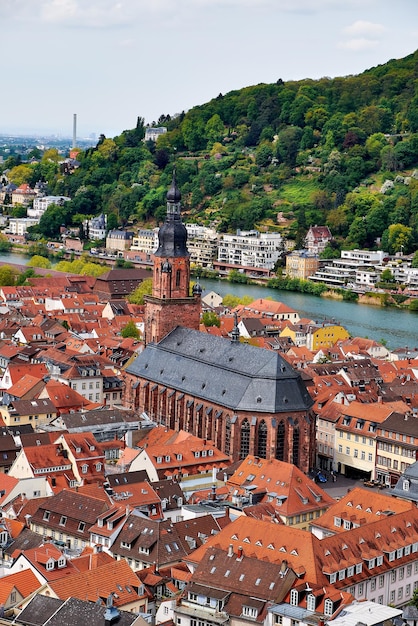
<point x="293" y="497"/>
<point x="317" y="239"/>
<point x="183" y="456"/>
<point x="86" y="455"/>
<point x="68" y="516"/>
<point x="46" y="561"/>
<point x="145" y="542"/>
<point x="114" y="579"/>
<point x="358" y="508"/>
<point x="8" y="453"/>
<point x="15" y="587"/>
<point x="37" y="412"/>
<point x="230" y="587"/>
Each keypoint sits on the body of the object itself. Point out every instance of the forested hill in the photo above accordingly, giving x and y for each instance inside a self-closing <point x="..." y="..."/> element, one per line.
<point x="280" y="156"/>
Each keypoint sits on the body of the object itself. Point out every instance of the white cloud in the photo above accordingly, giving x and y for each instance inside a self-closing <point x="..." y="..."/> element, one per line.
<point x="359" y="44"/>
<point x="361" y="27"/>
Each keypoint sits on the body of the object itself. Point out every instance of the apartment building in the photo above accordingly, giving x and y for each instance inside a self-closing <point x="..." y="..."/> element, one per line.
<point x="250" y="249"/>
<point x="202" y="243"/>
<point x="354" y="266"/>
<point x="145" y="240"/>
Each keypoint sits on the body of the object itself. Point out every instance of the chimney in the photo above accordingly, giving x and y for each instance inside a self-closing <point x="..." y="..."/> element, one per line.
<point x="240" y="553"/>
<point x="213" y="494"/>
<point x="231" y="550"/>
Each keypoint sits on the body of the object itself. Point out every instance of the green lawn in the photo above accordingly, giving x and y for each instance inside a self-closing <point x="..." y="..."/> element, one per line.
<point x="298" y="191"/>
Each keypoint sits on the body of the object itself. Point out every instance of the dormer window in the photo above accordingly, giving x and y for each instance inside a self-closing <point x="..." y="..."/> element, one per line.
<point x="84" y="469"/>
<point x="159" y="459"/>
<point x="61" y="562"/>
<point x="63" y="520"/>
<point x="328" y="607"/>
<point x="250" y="611"/>
<point x="294" y="597"/>
<point x="50" y="564"/>
<point x="179" y="457"/>
<point x="98" y="467"/>
<point x="46" y="516"/>
<point x="311" y="602"/>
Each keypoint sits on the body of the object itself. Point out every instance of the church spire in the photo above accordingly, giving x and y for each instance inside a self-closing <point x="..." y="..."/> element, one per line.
<point x="172" y="236"/>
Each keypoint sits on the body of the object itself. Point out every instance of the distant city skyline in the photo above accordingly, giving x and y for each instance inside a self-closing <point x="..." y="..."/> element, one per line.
<point x="111" y="61"/>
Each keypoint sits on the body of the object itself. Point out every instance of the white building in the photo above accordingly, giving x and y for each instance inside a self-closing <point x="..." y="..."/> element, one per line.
<point x="20" y="225"/>
<point x="97" y="227"/>
<point x="41" y="204"/>
<point x="355" y="267"/>
<point x="250" y="249"/>
<point x="152" y="134"/>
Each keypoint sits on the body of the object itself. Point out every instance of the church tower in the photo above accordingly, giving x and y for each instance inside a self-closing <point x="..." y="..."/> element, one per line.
<point x="171" y="304"/>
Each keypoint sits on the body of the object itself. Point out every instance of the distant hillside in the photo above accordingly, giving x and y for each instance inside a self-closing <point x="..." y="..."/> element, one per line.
<point x="281" y="156"/>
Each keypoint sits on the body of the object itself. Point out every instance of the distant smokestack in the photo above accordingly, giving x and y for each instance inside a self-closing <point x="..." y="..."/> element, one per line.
<point x="74" y="130"/>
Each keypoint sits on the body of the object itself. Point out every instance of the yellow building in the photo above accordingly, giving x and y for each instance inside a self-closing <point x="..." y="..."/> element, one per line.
<point x="325" y="336"/>
<point x="35" y="412"/>
<point x="314" y="336"/>
<point x="301" y="264"/>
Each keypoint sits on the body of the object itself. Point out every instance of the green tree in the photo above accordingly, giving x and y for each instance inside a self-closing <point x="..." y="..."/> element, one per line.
<point x="210" y="319"/>
<point x="230" y="301"/>
<point x="264" y="155"/>
<point x="130" y="330"/>
<point x="214" y="129"/>
<point x="144" y="289"/>
<point x="39" y="261"/>
<point x="357" y="233"/>
<point x="7" y="276"/>
<point x="5" y="244"/>
<point x="387" y="276"/>
<point x="18" y="210"/>
<point x="397" y="238"/>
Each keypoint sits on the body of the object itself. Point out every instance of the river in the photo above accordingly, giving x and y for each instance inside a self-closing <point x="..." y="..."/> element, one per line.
<point x="397" y="328"/>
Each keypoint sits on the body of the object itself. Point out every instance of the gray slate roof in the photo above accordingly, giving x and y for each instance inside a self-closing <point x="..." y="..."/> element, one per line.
<point x="43" y="610"/>
<point x="407" y="485"/>
<point x="235" y="375"/>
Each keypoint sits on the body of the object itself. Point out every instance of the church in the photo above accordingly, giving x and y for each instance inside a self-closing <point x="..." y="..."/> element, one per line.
<point x="246" y="400"/>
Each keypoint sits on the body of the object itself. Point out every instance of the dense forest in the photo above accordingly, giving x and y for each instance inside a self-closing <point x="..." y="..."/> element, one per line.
<point x="340" y="152"/>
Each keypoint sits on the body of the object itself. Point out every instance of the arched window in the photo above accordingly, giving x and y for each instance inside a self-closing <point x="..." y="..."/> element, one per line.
<point x="280" y="435"/>
<point x="262" y="439"/>
<point x="311" y="602"/>
<point x="328" y="606"/>
<point x="244" y="450"/>
<point x="227" y="435"/>
<point x="296" y="441"/>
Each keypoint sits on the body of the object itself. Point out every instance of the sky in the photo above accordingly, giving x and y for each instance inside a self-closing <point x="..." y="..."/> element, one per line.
<point x="110" y="61"/>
